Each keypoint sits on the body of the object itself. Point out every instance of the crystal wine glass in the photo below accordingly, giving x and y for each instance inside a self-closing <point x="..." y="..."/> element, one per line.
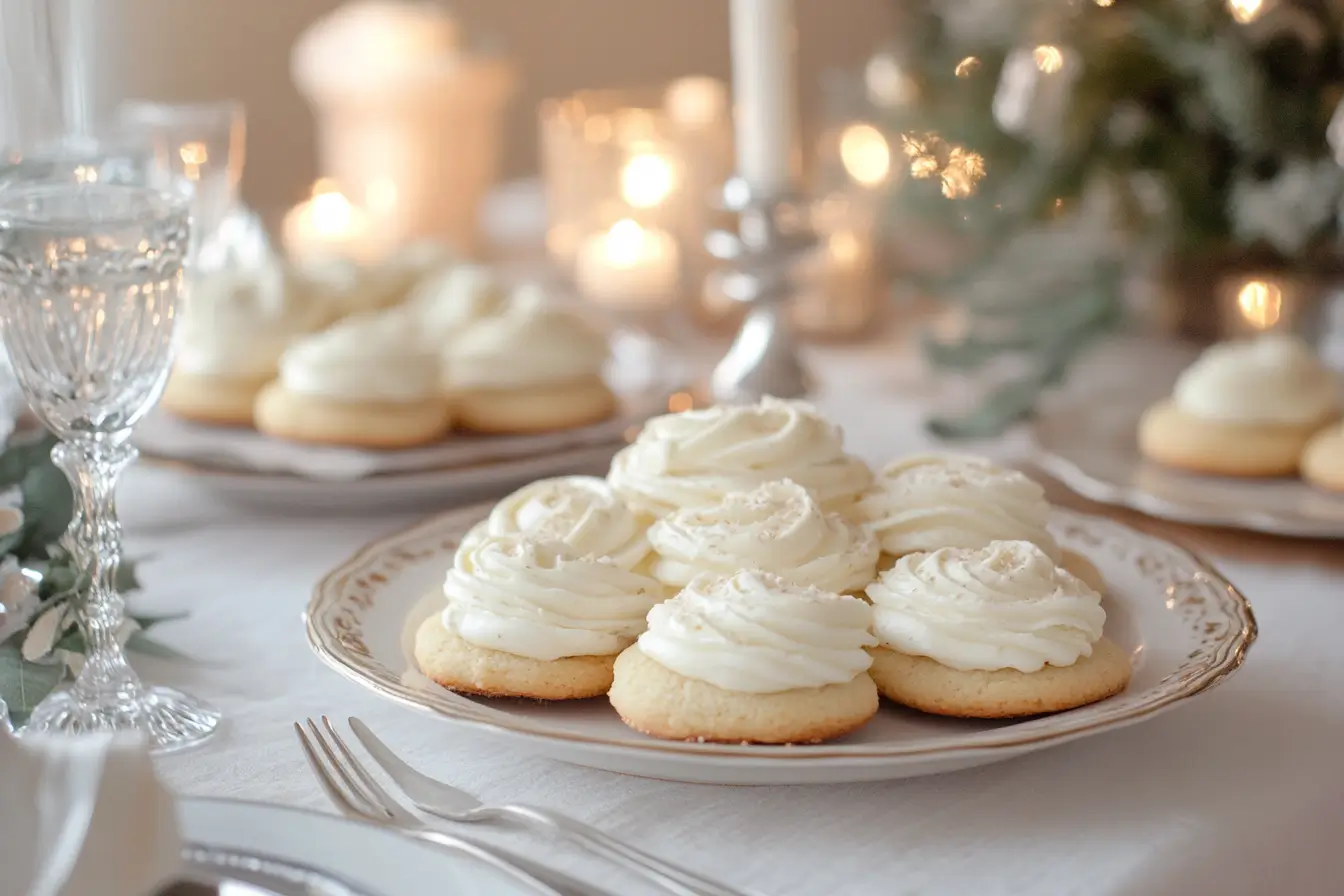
<point x="204" y="143"/>
<point x="91" y="278"/>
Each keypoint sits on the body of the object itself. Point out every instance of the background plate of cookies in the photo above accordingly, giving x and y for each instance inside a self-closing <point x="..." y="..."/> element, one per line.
<point x="1248" y="437"/>
<point x="413" y="379"/>
<point x="740" y="602"/>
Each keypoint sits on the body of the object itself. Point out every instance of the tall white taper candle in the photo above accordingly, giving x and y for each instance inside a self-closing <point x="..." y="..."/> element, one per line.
<point x="764" y="92"/>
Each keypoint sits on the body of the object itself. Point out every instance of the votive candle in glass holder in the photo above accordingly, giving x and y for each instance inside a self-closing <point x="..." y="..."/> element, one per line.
<point x="614" y="161"/>
<point x="629" y="266"/>
<point x="841" y="286"/>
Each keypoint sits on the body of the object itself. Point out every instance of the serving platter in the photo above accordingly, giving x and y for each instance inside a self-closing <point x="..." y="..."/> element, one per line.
<point x="1184" y="625"/>
<point x="1092" y="448"/>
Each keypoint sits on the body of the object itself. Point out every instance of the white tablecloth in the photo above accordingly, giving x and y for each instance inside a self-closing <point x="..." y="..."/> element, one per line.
<point x="1240" y="792"/>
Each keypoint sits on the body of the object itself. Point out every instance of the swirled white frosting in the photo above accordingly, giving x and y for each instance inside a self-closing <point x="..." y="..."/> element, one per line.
<point x="238" y="323"/>
<point x="391" y="281"/>
<point x="1005" y="606"/>
<point x="367" y="357"/>
<point x="534" y="343"/>
<point x="1275" y="378"/>
<point x="758" y="634"/>
<point x="540" y="599"/>
<point x="954" y="501"/>
<point x="696" y="458"/>
<point x="778" y="528"/>
<point x="450" y="301"/>
<point x="581" y="511"/>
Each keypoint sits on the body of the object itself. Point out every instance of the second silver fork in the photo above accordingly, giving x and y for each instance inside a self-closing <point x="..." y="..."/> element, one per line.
<point x="358" y="795"/>
<point x="453" y="804"/>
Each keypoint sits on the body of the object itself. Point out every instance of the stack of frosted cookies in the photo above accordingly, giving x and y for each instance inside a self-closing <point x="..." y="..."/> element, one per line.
<point x="1260" y="408"/>
<point x="739" y="577"/>
<point x="390" y="356"/>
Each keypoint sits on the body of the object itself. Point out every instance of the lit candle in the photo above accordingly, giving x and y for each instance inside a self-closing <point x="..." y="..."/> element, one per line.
<point x="763" y="88"/>
<point x="628" y="265"/>
<point x="328" y="225"/>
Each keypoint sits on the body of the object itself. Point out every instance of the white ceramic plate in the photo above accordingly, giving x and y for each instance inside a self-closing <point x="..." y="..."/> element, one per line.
<point x="342" y="857"/>
<point x="1184" y="625"/>
<point x="1092" y="448"/>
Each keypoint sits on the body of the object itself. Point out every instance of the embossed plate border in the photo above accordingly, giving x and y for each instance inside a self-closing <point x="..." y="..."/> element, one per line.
<point x="1217" y="618"/>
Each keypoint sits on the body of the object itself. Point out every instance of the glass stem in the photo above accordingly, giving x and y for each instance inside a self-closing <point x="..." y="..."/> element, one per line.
<point x="93" y="542"/>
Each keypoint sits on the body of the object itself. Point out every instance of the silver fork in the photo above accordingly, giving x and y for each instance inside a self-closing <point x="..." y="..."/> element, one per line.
<point x="358" y="795"/>
<point x="448" y="802"/>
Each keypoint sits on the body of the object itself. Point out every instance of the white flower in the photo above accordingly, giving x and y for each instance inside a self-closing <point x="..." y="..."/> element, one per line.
<point x="18" y="599"/>
<point x="44" y="634"/>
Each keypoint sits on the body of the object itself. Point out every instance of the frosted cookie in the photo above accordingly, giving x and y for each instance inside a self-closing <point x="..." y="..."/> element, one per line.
<point x="581" y="511"/>
<point x="1243" y="409"/>
<point x="391" y="281"/>
<point x="532" y="619"/>
<point x="535" y="368"/>
<point x="696" y="458"/>
<point x="991" y="633"/>
<point x="777" y="528"/>
<point x="449" y="302"/>
<point x="232" y="333"/>
<point x="749" y="658"/>
<point x="933" y="501"/>
<point x="1323" y="459"/>
<point x="362" y="383"/>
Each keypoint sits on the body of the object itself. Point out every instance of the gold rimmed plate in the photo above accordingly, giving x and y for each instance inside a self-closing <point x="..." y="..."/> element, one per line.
<point x="1184" y="625"/>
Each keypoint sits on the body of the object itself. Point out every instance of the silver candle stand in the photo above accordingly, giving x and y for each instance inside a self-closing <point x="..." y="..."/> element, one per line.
<point x="773" y="233"/>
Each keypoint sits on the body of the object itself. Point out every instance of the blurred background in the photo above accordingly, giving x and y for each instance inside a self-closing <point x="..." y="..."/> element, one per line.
<point x="240" y="49"/>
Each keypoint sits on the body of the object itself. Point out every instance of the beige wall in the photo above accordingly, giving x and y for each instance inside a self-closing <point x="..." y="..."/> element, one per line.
<point x="204" y="49"/>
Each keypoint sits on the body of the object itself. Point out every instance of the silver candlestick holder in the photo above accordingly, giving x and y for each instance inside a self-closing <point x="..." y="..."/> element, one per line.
<point x="773" y="233"/>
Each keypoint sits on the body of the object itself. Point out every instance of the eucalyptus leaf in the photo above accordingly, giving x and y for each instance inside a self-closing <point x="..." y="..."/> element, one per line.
<point x="127" y="579"/>
<point x="24" y="685"/>
<point x="48" y="505"/>
<point x="1002" y="408"/>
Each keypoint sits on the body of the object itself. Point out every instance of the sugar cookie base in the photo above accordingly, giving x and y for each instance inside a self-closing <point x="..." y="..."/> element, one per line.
<point x="929" y="686"/>
<point x="534" y="409"/>
<point x="1169" y="436"/>
<point x="460" y="666"/>
<point x="310" y="418"/>
<point x="220" y="400"/>
<point x="1323" y="459"/>
<point x="656" y="701"/>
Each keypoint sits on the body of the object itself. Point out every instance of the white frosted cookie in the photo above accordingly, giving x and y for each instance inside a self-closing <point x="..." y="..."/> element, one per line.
<point x="991" y="633"/>
<point x="1243" y="409"/>
<point x="777" y="528"/>
<point x="932" y="501"/>
<point x="536" y="367"/>
<point x="451" y="301"/>
<point x="749" y="658"/>
<point x="696" y="458"/>
<point x="361" y="383"/>
<point x="230" y="340"/>
<point x="580" y="511"/>
<point x="529" y="618"/>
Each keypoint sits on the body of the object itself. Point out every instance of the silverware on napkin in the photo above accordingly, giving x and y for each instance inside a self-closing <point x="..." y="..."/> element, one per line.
<point x="453" y="804"/>
<point x="357" y="795"/>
